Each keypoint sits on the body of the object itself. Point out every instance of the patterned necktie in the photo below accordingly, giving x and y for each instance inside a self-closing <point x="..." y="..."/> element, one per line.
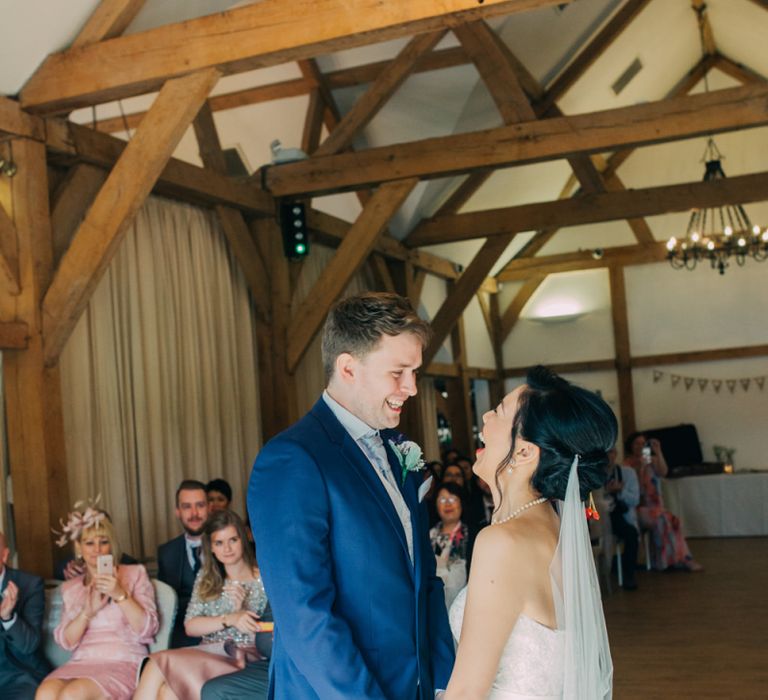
<point x="375" y="447"/>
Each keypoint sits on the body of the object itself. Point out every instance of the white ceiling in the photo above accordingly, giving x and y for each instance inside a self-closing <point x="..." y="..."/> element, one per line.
<point x="664" y="37"/>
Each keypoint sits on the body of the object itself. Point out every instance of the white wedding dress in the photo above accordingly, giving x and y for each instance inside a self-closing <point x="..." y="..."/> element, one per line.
<point x="532" y="663"/>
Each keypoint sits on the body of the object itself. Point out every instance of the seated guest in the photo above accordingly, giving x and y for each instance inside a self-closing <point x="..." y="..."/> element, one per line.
<point x="21" y="620"/>
<point x="450" y="540"/>
<point x="668" y="546"/>
<point x="178" y="561"/>
<point x="219" y="494"/>
<point x="74" y="567"/>
<point x="454" y="473"/>
<point x="227" y="603"/>
<point x="623" y="492"/>
<point x="107" y="619"/>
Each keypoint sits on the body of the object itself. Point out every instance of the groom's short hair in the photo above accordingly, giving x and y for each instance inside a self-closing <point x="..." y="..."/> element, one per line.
<point x="356" y="324"/>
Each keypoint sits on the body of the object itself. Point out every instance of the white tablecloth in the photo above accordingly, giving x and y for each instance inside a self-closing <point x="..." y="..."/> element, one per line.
<point x="721" y="505"/>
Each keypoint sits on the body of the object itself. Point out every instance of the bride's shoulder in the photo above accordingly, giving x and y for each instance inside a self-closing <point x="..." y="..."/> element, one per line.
<point x="499" y="543"/>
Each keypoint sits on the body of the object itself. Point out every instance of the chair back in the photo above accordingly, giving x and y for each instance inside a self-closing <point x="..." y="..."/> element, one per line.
<point x="167" y="606"/>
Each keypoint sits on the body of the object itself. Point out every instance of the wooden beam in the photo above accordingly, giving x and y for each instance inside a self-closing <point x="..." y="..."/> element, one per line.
<point x="605" y="37"/>
<point x="313" y="122"/>
<point x="619" y="256"/>
<point x="35" y="428"/>
<point x="530" y="142"/>
<point x="71" y="202"/>
<point x="352" y="253"/>
<point x="379" y="92"/>
<point x="16" y="122"/>
<point x="593" y="208"/>
<point x="14" y="335"/>
<point x="110" y="19"/>
<point x="512" y="313"/>
<point x="244" y="38"/>
<point x="382" y="273"/>
<point x="738" y="71"/>
<point x="676" y="358"/>
<point x="565" y="368"/>
<point x="463" y="290"/>
<point x="125" y="190"/>
<point x="494" y="313"/>
<point x="68" y="142"/>
<point x="9" y="255"/>
<point x="622" y="348"/>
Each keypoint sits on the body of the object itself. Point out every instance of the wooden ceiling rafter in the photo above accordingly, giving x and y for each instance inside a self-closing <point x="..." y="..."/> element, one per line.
<point x="672" y="119"/>
<point x="109" y="20"/>
<point x="139" y="63"/>
<point x="232" y="222"/>
<point x="511" y="315"/>
<point x="594" y="208"/>
<point x="10" y="283"/>
<point x="130" y="181"/>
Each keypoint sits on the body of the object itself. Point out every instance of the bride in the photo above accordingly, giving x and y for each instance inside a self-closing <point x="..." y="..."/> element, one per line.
<point x="530" y="623"/>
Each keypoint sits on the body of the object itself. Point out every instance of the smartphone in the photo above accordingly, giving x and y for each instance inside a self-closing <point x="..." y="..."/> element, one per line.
<point x="105" y="564"/>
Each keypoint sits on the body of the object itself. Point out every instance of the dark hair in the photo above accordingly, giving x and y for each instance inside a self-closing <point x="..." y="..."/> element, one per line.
<point x="455" y="490"/>
<point x="189" y="485"/>
<point x="356" y="324"/>
<point x="221" y="486"/>
<point x="628" y="442"/>
<point x="457" y="466"/>
<point x="213" y="572"/>
<point x="563" y="420"/>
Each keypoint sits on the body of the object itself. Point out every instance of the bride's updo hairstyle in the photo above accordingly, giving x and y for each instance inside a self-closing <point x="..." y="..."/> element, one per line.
<point x="563" y="420"/>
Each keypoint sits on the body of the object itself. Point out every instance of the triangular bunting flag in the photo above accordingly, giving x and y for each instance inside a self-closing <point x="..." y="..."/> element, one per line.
<point x="688" y="381"/>
<point x="703" y="383"/>
<point x="717" y="385"/>
<point x="675" y="379"/>
<point x="760" y="381"/>
<point x="731" y="384"/>
<point x="745" y="384"/>
<point x="657" y="375"/>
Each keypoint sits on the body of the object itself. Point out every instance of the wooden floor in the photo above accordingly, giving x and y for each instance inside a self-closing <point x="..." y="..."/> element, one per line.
<point x="699" y="635"/>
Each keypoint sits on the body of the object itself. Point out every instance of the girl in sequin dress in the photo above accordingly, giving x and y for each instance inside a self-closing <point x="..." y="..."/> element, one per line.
<point x="227" y="603"/>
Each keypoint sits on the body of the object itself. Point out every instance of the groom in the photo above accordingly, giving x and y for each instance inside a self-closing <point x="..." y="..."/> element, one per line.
<point x="341" y="535"/>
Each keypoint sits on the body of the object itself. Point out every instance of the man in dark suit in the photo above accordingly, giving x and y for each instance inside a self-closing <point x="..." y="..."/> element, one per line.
<point x="21" y="620"/>
<point x="178" y="561"/>
<point x="340" y="530"/>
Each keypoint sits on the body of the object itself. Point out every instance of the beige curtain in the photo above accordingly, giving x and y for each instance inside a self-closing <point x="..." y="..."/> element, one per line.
<point x="159" y="378"/>
<point x="310" y="379"/>
<point x="428" y="417"/>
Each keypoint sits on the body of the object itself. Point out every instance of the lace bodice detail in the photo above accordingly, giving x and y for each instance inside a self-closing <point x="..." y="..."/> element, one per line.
<point x="532" y="663"/>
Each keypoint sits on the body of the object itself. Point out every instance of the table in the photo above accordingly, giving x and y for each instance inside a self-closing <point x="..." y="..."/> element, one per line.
<point x="720" y="505"/>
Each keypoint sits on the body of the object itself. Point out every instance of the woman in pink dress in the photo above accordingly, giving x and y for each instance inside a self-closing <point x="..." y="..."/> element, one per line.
<point x="668" y="545"/>
<point x="107" y="620"/>
<point x="227" y="604"/>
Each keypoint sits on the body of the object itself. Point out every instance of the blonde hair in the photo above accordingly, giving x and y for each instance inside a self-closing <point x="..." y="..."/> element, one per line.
<point x="104" y="528"/>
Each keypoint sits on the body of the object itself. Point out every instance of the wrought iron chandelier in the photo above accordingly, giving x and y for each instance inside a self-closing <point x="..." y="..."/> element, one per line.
<point x="717" y="234"/>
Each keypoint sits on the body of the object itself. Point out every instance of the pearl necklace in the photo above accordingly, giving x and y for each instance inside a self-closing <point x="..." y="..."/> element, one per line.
<point x="520" y="510"/>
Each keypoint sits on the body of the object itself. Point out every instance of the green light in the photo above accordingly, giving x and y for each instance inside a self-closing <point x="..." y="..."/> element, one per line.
<point x="300" y="248"/>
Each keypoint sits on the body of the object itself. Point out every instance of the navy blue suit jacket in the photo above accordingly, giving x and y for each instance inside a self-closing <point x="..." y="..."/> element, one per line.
<point x="353" y="617"/>
<point x="20" y="645"/>
<point x="173" y="568"/>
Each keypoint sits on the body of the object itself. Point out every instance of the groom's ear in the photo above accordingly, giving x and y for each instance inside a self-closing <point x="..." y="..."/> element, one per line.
<point x="346" y="367"/>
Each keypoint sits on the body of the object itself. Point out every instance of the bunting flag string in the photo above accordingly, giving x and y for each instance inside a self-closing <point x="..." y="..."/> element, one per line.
<point x="703" y="382"/>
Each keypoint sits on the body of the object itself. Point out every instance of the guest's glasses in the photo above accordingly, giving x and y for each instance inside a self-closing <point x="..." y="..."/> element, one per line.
<point x="445" y="500"/>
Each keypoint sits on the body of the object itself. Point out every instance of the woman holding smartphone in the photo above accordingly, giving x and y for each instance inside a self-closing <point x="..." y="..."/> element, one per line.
<point x="227" y="609"/>
<point x="109" y="616"/>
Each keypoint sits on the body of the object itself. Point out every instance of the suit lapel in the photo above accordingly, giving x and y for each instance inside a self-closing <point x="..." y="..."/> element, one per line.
<point x="352" y="453"/>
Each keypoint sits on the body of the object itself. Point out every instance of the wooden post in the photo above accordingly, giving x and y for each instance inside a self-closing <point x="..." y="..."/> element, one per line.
<point x="33" y="392"/>
<point x="623" y="358"/>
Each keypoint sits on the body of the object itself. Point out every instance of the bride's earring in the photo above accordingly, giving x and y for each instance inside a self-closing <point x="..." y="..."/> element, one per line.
<point x="511" y="466"/>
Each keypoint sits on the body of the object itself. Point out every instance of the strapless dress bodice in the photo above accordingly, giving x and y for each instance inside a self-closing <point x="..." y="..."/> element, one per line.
<point x="532" y="663"/>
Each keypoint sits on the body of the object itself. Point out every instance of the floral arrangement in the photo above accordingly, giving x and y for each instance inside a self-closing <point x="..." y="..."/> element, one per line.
<point x="409" y="455"/>
<point x="79" y="520"/>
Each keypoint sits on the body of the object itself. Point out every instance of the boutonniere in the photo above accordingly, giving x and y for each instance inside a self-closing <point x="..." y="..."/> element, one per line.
<point x="408" y="453"/>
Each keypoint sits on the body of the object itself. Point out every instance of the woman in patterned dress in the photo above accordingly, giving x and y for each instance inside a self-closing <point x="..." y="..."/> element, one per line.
<point x="450" y="540"/>
<point x="228" y="601"/>
<point x="668" y="545"/>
